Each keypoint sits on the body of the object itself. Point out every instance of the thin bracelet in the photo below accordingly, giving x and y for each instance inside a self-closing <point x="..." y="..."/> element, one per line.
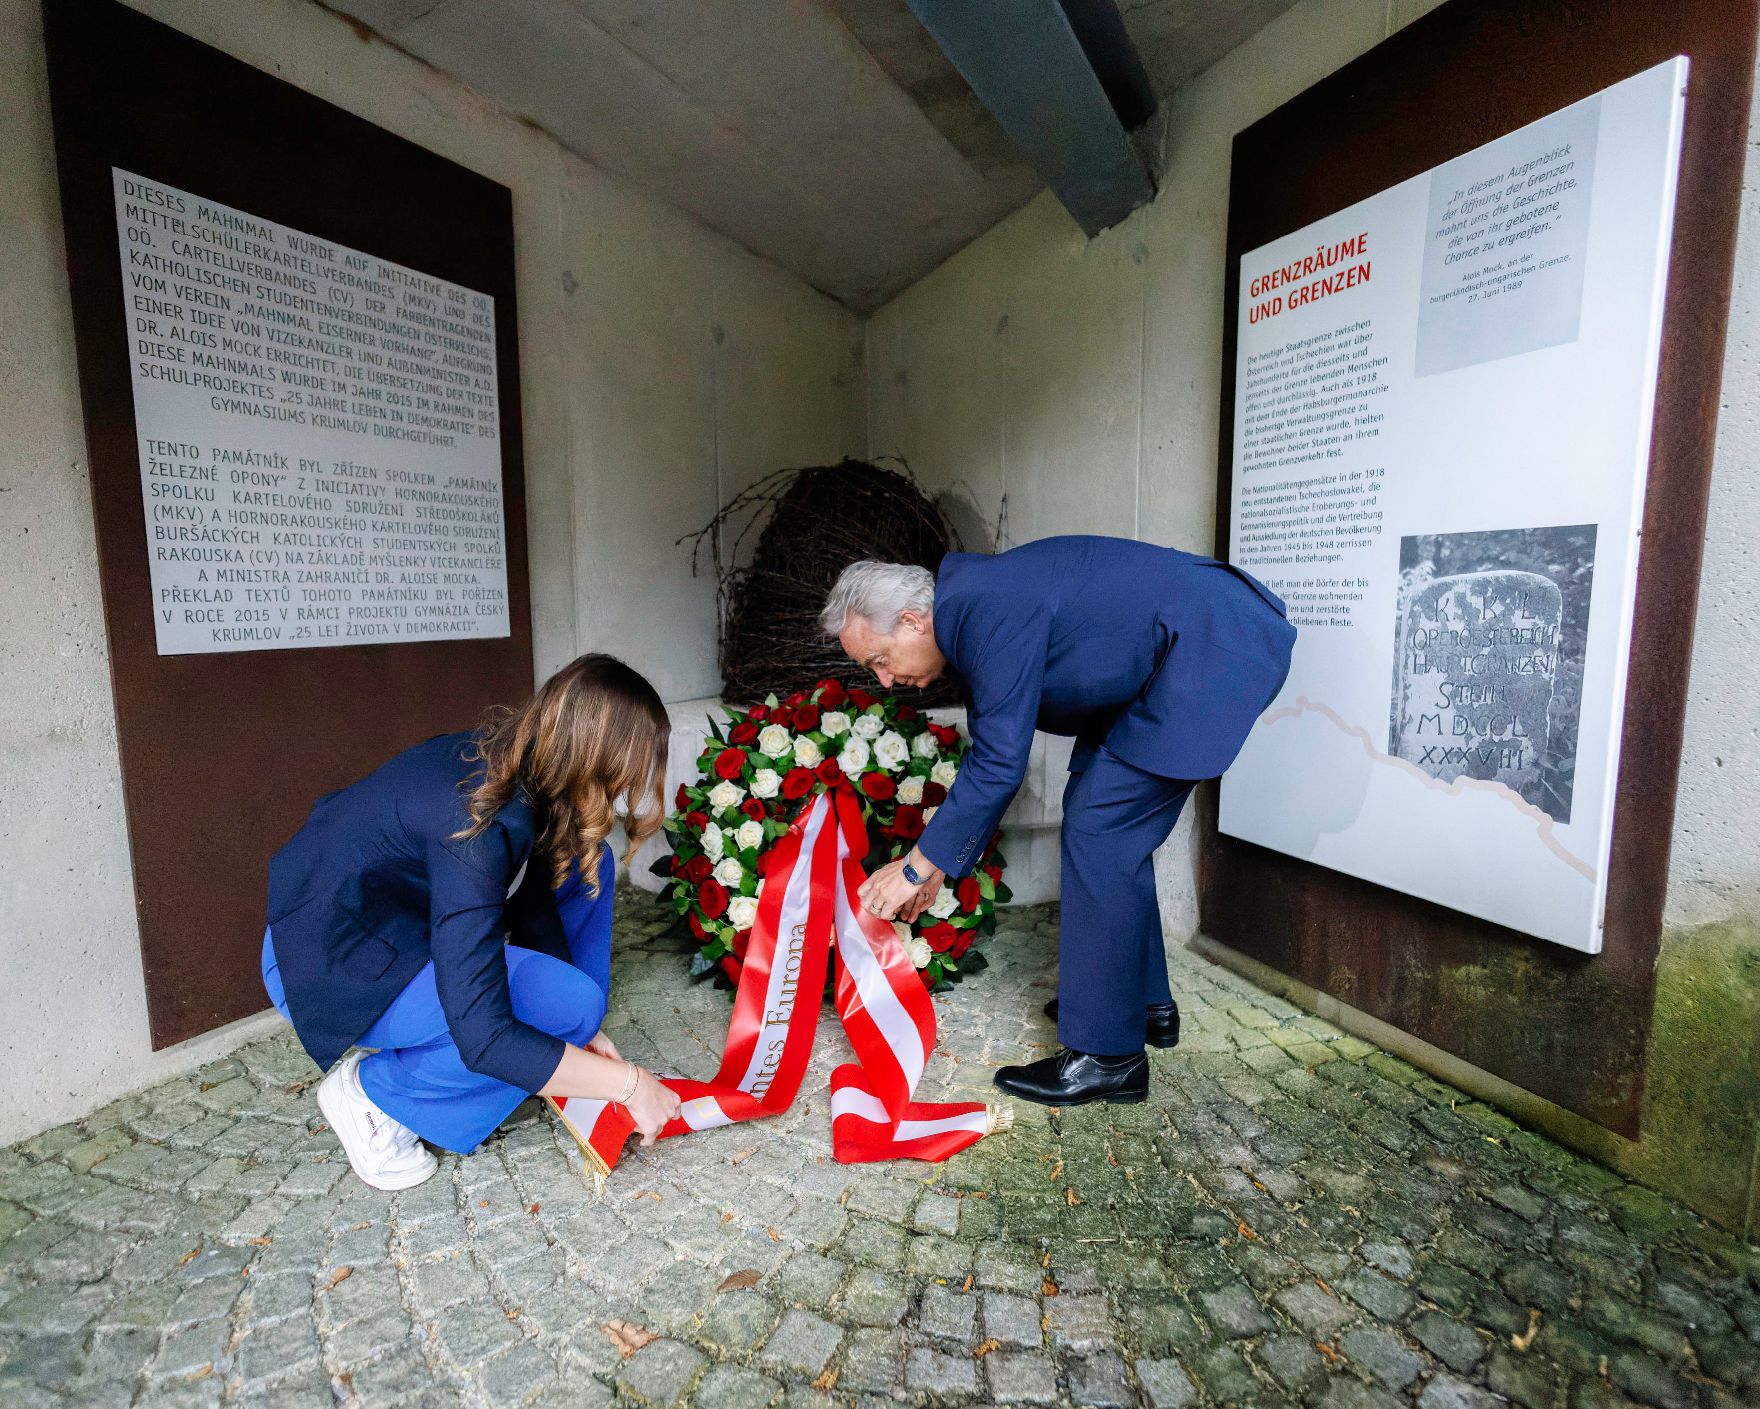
<point x="630" y="1084"/>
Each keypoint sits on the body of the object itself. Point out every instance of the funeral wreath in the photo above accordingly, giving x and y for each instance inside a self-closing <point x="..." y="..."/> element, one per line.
<point x="758" y="773"/>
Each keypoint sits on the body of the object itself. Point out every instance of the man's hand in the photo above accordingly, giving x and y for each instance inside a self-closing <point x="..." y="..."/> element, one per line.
<point x="889" y="895"/>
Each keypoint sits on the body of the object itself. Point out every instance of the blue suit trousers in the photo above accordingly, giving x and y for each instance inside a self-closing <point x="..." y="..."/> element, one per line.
<point x="417" y="1075"/>
<point x="1112" y="959"/>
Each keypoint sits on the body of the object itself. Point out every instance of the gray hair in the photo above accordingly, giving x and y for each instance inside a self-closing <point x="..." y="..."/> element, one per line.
<point x="878" y="593"/>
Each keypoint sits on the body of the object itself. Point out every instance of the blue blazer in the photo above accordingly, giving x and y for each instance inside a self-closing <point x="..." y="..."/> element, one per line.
<point x="1163" y="657"/>
<point x="373" y="886"/>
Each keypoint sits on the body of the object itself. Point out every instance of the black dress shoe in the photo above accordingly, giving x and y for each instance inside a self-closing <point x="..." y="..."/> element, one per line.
<point x="1073" y="1078"/>
<point x="1163" y="1025"/>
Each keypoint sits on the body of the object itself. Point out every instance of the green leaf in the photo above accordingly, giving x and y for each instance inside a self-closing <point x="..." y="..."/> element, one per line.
<point x="770" y="700"/>
<point x="975" y="961"/>
<point x="726" y="932"/>
<point x="986" y="886"/>
<point x="715" y="730"/>
<point x="681" y="903"/>
<point x="1003" y="894"/>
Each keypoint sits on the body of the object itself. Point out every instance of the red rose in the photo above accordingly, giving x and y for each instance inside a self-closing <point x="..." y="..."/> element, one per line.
<point x="995" y="874"/>
<point x="797" y="783"/>
<point x="731" y="967"/>
<point x="905" y="712"/>
<point x="968" y="893"/>
<point x="761" y="867"/>
<point x="879" y="787"/>
<point x="860" y="700"/>
<point x="934" y="794"/>
<point x="806" y="717"/>
<point x="781" y="716"/>
<point x="712" y="896"/>
<point x="941" y="936"/>
<point x="698" y="869"/>
<point x="682" y="801"/>
<point x="758" y="713"/>
<point x="831" y="694"/>
<point x="696" y="821"/>
<point x="828" y="771"/>
<point x="753" y="809"/>
<point x="697" y="926"/>
<point x="963" y="943"/>
<point x="742" y="733"/>
<point x="945" y="735"/>
<point x="740" y="939"/>
<point x="730" y="763"/>
<point x="798" y="697"/>
<point x="909" y="822"/>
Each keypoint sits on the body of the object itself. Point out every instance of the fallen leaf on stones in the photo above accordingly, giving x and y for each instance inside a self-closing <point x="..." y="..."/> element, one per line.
<point x="741" y="1156"/>
<point x="260" y="1242"/>
<point x="648" y="1194"/>
<point x="1056" y="1171"/>
<point x="826" y="1380"/>
<point x="1328" y="1351"/>
<point x="207" y="1369"/>
<point x="727" y="1217"/>
<point x="1246" y="1232"/>
<point x="532" y="1209"/>
<point x="337" y="1278"/>
<point x="513" y="1313"/>
<point x="189" y="1257"/>
<point x="362" y="1224"/>
<point x="738" y="1281"/>
<point x="293" y="1088"/>
<point x="986" y="1347"/>
<point x="627" y="1336"/>
<point x="1112" y="1158"/>
<point x="206" y="1086"/>
<point x="1045" y="1261"/>
<point x="1071" y="1197"/>
<point x="1526" y="1339"/>
<point x="1320" y="1282"/>
<point x="775" y="1237"/>
<point x="966" y="1285"/>
<point x="482" y="1203"/>
<point x="1047" y="1287"/>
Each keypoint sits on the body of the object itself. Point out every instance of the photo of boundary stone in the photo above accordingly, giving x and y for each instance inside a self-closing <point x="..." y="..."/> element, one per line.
<point x="1490" y="630"/>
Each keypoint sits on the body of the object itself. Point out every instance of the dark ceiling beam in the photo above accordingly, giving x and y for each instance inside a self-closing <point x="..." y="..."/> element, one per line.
<point x="1026" y="64"/>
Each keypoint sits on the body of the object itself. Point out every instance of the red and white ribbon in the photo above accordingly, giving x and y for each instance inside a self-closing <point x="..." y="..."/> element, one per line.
<point x="809" y="902"/>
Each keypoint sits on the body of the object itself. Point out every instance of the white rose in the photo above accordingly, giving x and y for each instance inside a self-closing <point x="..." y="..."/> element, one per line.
<point x="713" y="842"/>
<point x="918" y="949"/>
<point x="925" y="745"/>
<point x="929" y="815"/>
<point x="742" y="911"/>
<point x="910" y="790"/>
<point x="945" y="903"/>
<point x="806" y="753"/>
<point x="868" y="726"/>
<point x="749" y="835"/>
<point x="890" y="750"/>
<point x="725" y="795"/>
<point x="902" y="930"/>
<point x="945" y="772"/>
<point x="854" y="757"/>
<point x="833" y="724"/>
<point x="766" y="782"/>
<point x="774" y="740"/>
<point x="730" y="872"/>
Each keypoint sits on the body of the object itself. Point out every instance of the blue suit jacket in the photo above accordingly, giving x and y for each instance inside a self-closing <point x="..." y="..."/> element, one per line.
<point x="373" y="886"/>
<point x="1163" y="657"/>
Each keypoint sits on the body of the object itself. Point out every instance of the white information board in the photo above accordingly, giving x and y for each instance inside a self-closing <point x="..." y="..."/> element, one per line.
<point x="1443" y="401"/>
<point x="319" y="443"/>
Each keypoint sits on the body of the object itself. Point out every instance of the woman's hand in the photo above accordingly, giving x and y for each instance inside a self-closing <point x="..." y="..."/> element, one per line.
<point x="604" y="1046"/>
<point x="889" y="895"/>
<point x="652" y="1105"/>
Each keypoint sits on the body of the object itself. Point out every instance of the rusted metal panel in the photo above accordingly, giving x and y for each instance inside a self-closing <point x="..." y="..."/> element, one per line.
<point x="1570" y="1027"/>
<point x="222" y="755"/>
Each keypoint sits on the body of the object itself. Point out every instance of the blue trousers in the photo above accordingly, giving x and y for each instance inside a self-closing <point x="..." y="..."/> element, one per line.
<point x="417" y="1075"/>
<point x="1111" y="956"/>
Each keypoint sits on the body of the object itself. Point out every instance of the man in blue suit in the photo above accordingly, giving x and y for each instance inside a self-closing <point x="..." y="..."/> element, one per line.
<point x="1158" y="662"/>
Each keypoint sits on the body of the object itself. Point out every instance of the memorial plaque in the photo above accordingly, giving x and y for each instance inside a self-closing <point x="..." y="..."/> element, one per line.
<point x="1477" y="666"/>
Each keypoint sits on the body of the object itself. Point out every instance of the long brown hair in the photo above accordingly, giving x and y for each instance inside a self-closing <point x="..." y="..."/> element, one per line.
<point x="593" y="733"/>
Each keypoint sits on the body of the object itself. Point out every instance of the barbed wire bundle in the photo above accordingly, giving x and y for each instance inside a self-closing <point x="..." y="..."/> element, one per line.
<point x="810" y="523"/>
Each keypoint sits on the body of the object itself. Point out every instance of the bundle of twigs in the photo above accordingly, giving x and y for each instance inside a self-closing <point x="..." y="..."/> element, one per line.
<point x="811" y="524"/>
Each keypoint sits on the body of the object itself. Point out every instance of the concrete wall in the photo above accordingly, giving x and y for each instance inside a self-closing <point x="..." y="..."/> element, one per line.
<point x="663" y="368"/>
<point x="1080" y="381"/>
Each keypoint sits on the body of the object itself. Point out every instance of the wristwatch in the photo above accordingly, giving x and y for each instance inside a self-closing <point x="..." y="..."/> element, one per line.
<point x="910" y="874"/>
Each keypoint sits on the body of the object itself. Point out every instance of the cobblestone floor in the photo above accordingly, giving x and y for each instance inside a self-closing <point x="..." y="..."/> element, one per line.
<point x="1294" y="1218"/>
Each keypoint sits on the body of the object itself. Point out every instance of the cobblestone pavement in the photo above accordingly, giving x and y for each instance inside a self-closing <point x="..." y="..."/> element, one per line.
<point x="1293" y="1218"/>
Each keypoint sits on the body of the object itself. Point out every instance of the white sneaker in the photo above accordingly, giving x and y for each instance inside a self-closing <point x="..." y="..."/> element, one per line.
<point x="384" y="1152"/>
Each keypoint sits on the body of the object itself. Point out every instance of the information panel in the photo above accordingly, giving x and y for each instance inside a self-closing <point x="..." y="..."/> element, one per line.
<point x="1441" y="437"/>
<point x="319" y="442"/>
